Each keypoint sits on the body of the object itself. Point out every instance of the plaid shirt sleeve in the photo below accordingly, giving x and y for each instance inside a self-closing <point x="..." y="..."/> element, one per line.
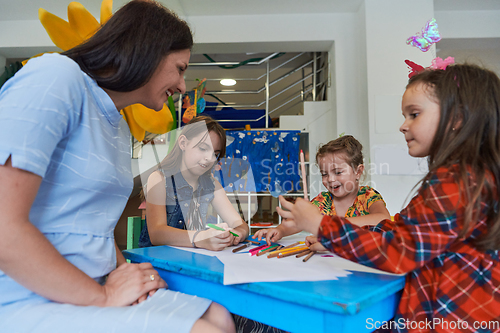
<point x="426" y="228"/>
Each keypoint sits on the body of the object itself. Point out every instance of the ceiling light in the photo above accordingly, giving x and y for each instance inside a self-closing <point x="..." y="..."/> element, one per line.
<point x="228" y="82"/>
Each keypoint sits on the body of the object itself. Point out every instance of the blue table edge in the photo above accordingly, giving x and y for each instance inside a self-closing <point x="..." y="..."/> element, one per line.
<point x="393" y="286"/>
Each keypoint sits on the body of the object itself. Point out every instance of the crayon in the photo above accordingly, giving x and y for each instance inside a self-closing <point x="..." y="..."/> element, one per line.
<point x="303" y="254"/>
<point x="309" y="256"/>
<point x="288" y="249"/>
<point x="241" y="247"/>
<point x="291" y="250"/>
<point x="292" y="245"/>
<point x="291" y="253"/>
<point x="263" y="251"/>
<point x="256" y="249"/>
<point x="213" y="226"/>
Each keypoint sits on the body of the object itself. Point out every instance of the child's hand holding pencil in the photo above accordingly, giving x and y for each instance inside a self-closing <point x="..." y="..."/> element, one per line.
<point x="302" y="215"/>
<point x="213" y="239"/>
<point x="314" y="244"/>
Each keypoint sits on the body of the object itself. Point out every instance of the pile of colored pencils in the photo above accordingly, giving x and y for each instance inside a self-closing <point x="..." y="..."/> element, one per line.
<point x="299" y="249"/>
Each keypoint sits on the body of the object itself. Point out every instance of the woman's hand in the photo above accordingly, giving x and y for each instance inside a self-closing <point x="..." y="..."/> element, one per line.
<point x="314" y="245"/>
<point x="271" y="235"/>
<point x="301" y="214"/>
<point x="214" y="240"/>
<point x="131" y="284"/>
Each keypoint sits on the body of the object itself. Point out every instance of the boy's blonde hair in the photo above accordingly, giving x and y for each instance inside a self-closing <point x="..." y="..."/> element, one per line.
<point x="346" y="145"/>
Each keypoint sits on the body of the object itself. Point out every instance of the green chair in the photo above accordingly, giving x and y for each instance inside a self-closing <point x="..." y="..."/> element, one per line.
<point x="134" y="227"/>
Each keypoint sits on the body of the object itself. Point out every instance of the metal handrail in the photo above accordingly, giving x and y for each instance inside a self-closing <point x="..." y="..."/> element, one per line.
<point x="233" y="63"/>
<point x="309" y="88"/>
<point x="263" y="75"/>
<point x="315" y="73"/>
<point x="263" y="89"/>
<point x="230" y="92"/>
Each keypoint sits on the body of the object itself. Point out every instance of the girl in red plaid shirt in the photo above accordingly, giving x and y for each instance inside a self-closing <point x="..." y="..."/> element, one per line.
<point x="447" y="239"/>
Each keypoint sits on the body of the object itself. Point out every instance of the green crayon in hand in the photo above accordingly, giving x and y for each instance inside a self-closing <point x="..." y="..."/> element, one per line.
<point x="213" y="226"/>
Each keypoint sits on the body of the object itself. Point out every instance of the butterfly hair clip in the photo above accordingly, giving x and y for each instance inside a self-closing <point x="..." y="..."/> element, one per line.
<point x="429" y="36"/>
<point x="415" y="68"/>
<point x="437" y="63"/>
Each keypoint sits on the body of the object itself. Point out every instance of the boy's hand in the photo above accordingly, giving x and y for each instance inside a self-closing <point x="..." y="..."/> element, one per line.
<point x="304" y="214"/>
<point x="271" y="235"/>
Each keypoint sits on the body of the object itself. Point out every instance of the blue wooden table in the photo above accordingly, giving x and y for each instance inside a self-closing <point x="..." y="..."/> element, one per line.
<point x="356" y="303"/>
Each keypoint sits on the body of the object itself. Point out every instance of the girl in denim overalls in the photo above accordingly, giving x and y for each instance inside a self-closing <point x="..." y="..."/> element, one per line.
<point x="179" y="193"/>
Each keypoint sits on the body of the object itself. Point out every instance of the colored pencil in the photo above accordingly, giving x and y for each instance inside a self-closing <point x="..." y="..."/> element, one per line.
<point x="292" y="245"/>
<point x="264" y="251"/>
<point x="291" y="253"/>
<point x="303" y="172"/>
<point x="213" y="226"/>
<point x="251" y="241"/>
<point x="303" y="254"/>
<point x="309" y="256"/>
<point x="256" y="249"/>
<point x="260" y="248"/>
<point x="241" y="247"/>
<point x="291" y="250"/>
<point x="288" y="249"/>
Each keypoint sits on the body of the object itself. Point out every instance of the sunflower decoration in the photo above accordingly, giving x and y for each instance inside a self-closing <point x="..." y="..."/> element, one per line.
<point x="80" y="26"/>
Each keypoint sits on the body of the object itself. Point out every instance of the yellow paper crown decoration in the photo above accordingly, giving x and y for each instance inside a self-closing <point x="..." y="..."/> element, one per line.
<point x="81" y="25"/>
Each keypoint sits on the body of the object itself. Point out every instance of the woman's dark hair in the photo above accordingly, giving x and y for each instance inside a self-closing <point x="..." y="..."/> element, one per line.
<point x="468" y="135"/>
<point x="124" y="53"/>
<point x="347" y="145"/>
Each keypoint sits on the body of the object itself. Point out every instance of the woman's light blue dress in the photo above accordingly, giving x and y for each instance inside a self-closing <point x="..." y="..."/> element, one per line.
<point x="57" y="123"/>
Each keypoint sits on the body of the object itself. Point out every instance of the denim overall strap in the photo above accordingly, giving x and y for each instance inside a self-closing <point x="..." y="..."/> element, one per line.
<point x="175" y="191"/>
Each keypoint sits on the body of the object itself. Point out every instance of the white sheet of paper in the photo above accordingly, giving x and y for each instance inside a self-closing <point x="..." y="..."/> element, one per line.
<point x="240" y="267"/>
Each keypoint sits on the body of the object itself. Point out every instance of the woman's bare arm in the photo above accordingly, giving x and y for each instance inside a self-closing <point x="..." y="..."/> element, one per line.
<point x="30" y="259"/>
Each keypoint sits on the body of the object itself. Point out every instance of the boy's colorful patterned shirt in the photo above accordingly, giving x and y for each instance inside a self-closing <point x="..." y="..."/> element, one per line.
<point x="366" y="197"/>
<point x="448" y="278"/>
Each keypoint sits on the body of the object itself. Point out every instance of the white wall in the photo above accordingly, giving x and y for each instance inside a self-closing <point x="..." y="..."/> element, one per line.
<point x="317" y="120"/>
<point x="469" y="24"/>
<point x="388" y="25"/>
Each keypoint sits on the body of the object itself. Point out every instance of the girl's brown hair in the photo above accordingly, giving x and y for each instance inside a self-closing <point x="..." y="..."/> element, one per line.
<point x="197" y="125"/>
<point x="468" y="135"/>
<point x="347" y="145"/>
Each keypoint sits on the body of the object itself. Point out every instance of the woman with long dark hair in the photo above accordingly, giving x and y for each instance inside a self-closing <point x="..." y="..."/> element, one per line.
<point x="66" y="176"/>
